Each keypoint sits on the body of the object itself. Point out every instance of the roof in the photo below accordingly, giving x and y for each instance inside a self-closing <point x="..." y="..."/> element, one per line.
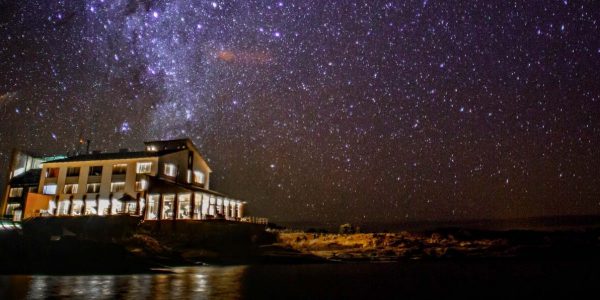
<point x="114" y="155"/>
<point x="179" y="144"/>
<point x="184" y="140"/>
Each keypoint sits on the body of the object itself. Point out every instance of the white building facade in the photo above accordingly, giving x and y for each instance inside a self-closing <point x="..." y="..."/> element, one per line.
<point x="169" y="180"/>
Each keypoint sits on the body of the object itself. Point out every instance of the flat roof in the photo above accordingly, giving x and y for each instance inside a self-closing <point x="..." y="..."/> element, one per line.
<point x="114" y="155"/>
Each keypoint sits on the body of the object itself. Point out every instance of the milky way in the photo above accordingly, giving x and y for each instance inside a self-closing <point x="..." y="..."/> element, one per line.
<point x="324" y="110"/>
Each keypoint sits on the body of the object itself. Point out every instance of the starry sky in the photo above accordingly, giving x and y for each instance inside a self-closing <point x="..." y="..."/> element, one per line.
<point x="324" y="110"/>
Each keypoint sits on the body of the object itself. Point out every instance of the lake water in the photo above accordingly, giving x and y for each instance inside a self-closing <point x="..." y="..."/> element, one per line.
<point x="405" y="280"/>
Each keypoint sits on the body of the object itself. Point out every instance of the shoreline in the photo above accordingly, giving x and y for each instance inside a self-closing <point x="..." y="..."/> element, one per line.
<point x="124" y="245"/>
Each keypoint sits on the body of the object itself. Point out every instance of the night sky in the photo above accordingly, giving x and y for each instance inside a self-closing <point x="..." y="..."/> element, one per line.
<point x="324" y="110"/>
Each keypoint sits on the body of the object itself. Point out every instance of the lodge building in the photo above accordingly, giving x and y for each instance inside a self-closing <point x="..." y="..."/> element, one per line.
<point x="169" y="180"/>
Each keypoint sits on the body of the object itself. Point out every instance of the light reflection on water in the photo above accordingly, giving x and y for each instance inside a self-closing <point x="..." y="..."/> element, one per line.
<point x="504" y="279"/>
<point x="205" y="282"/>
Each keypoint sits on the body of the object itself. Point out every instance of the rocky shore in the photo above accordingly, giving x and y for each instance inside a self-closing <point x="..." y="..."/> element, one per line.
<point x="445" y="244"/>
<point x="125" y="244"/>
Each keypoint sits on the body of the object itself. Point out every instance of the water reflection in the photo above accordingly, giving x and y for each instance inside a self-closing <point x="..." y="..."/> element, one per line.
<point x="205" y="282"/>
<point x="443" y="279"/>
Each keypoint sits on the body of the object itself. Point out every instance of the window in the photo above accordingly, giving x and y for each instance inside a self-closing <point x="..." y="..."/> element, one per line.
<point x="170" y="170"/>
<point x="90" y="207"/>
<point x="117" y="187"/>
<point x="93" y="188"/>
<point x="16" y="192"/>
<point x="63" y="207"/>
<point x="184" y="211"/>
<point x="95" y="171"/>
<point x="141" y="185"/>
<point x="168" y="207"/>
<point x="77" y="208"/>
<point x="197" y="213"/>
<point x="103" y="207"/>
<point x="189" y="176"/>
<point x="18" y="172"/>
<point x="130" y="207"/>
<point x="50" y="189"/>
<point x="52" y="172"/>
<point x="144" y="167"/>
<point x="117" y="206"/>
<point x="11" y="207"/>
<point x="152" y="211"/>
<point x="119" y="169"/>
<point x="198" y="177"/>
<point x="70" y="188"/>
<point x="73" y="171"/>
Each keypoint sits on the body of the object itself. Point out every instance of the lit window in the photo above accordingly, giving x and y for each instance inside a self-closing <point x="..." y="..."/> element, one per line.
<point x="168" y="207"/>
<point x="18" y="172"/>
<point x="16" y="192"/>
<point x="151" y="148"/>
<point x="63" y="207"/>
<point x="184" y="211"/>
<point x="117" y="187"/>
<point x="90" y="207"/>
<point x="70" y="188"/>
<point x="73" y="171"/>
<point x="93" y="188"/>
<point x="130" y="208"/>
<point x="144" y="167"/>
<point x="141" y="185"/>
<point x="152" y="211"/>
<point x="103" y="207"/>
<point x="119" y="169"/>
<point x="50" y="189"/>
<point x="198" y="177"/>
<point x="170" y="170"/>
<point x="11" y="207"/>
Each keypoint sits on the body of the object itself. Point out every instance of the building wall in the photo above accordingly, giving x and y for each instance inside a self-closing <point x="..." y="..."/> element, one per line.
<point x="202" y="204"/>
<point x="200" y="165"/>
<point x="36" y="204"/>
<point x="20" y="163"/>
<point x="105" y="181"/>
<point x="180" y="160"/>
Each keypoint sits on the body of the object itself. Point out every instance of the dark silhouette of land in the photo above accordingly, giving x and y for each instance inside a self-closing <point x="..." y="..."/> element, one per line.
<point x="125" y="244"/>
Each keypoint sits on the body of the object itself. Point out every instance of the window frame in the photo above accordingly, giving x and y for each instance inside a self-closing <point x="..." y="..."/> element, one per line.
<point x="114" y="167"/>
<point x="202" y="177"/>
<point x="117" y="183"/>
<point x="74" y="187"/>
<point x="171" y="167"/>
<point x="91" y="168"/>
<point x="73" y="171"/>
<point x="95" y="190"/>
<point x="15" y="190"/>
<point x="48" y="186"/>
<point x="143" y="165"/>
